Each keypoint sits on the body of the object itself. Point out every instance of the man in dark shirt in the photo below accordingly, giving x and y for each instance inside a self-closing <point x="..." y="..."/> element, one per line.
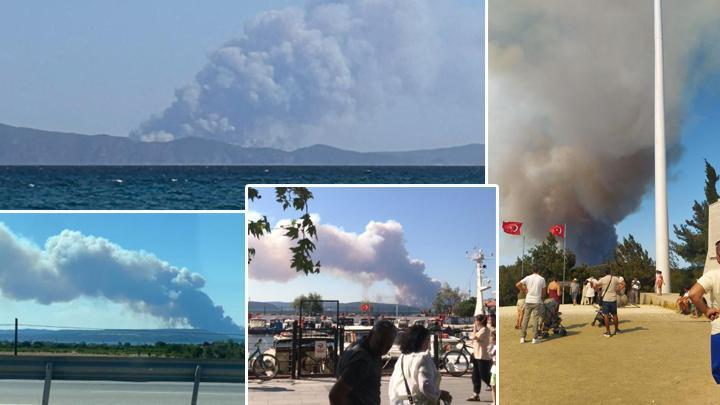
<point x="359" y="368"/>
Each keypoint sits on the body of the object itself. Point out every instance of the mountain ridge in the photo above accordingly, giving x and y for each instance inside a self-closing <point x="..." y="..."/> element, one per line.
<point x="20" y="146"/>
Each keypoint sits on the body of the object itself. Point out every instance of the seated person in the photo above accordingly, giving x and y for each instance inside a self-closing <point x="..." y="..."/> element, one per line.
<point x="683" y="302"/>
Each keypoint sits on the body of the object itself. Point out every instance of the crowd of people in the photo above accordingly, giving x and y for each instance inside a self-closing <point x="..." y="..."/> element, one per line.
<point x="609" y="290"/>
<point x="416" y="378"/>
<point x="606" y="292"/>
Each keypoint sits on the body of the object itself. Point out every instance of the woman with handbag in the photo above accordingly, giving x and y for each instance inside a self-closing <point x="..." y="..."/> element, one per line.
<point x="416" y="379"/>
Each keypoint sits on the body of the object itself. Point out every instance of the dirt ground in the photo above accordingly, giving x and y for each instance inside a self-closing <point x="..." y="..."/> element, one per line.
<point x="661" y="358"/>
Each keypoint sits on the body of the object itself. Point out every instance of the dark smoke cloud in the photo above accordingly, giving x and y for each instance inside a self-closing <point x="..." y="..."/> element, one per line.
<point x="365" y="74"/>
<point x="377" y="254"/>
<point x="72" y="265"/>
<point x="571" y="108"/>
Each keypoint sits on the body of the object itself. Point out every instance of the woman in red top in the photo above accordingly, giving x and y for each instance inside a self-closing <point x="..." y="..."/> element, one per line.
<point x="554" y="290"/>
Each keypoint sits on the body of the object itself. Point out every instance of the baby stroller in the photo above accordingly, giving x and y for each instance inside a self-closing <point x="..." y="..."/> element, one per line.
<point x="600" y="319"/>
<point x="550" y="319"/>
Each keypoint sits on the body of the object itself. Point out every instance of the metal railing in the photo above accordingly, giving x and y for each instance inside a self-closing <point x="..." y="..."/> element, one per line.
<point x="78" y="368"/>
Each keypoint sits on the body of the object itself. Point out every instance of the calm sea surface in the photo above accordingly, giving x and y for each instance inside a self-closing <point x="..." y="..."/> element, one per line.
<point x="190" y="187"/>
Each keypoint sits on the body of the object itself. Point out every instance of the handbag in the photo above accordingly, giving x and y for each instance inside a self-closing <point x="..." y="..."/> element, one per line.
<point x="407" y="387"/>
<point x="602" y="299"/>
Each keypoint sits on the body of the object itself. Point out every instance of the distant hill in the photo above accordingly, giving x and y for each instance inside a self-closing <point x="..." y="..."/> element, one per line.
<point x="26" y="146"/>
<point x="256" y="307"/>
<point x="114" y="336"/>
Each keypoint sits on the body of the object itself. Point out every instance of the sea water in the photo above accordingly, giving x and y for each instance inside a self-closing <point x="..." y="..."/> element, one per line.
<point x="191" y="187"/>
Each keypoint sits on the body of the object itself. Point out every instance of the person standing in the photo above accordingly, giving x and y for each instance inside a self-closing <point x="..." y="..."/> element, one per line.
<point x="590" y="292"/>
<point x="709" y="284"/>
<point x="520" y="305"/>
<point x="534" y="284"/>
<point x="609" y="287"/>
<point x="574" y="290"/>
<point x="415" y="375"/>
<point x="635" y="291"/>
<point x="481" y="358"/>
<point x="554" y="290"/>
<point x="659" y="282"/>
<point x="359" y="369"/>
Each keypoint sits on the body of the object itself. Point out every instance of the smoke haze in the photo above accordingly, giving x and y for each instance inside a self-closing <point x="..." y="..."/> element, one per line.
<point x="365" y="74"/>
<point x="377" y="254"/>
<point x="72" y="265"/>
<point x="571" y="108"/>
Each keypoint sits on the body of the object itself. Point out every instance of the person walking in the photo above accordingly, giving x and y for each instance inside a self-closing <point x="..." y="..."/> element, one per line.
<point x="359" y="369"/>
<point x="610" y="286"/>
<point x="709" y="284"/>
<point x="481" y="358"/>
<point x="534" y="284"/>
<point x="574" y="290"/>
<point x="415" y="378"/>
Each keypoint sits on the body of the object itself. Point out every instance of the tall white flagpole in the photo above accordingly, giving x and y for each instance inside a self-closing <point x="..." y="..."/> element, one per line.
<point x="661" y="210"/>
<point x="564" y="242"/>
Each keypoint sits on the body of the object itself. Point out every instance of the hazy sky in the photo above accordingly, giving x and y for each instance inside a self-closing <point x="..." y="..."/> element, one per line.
<point x="211" y="245"/>
<point x="577" y="146"/>
<point x="438" y="226"/>
<point x="360" y="74"/>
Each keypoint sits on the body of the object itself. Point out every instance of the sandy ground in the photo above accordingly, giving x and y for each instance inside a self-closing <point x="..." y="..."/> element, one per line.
<point x="661" y="358"/>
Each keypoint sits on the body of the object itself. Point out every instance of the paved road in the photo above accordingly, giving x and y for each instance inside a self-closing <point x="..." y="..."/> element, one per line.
<point x="119" y="393"/>
<point x="285" y="391"/>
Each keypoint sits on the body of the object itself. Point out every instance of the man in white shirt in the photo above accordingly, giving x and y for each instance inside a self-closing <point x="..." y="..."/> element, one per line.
<point x="534" y="284"/>
<point x="710" y="283"/>
<point x="609" y="286"/>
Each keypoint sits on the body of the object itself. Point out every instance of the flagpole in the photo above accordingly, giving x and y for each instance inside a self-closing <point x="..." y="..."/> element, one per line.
<point x="522" y="259"/>
<point x="564" y="242"/>
<point x="662" y="261"/>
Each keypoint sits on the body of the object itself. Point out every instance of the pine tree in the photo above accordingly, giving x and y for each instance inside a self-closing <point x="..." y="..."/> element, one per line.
<point x="633" y="261"/>
<point x="693" y="234"/>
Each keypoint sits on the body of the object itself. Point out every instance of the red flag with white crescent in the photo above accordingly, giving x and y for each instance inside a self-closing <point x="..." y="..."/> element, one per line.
<point x="512" y="228"/>
<point x="558" y="230"/>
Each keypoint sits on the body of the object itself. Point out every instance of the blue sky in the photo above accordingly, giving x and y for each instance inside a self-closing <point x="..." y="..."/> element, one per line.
<point x="209" y="244"/>
<point x="439" y="225"/>
<point x="700" y="138"/>
<point x="103" y="67"/>
<point x="98" y="67"/>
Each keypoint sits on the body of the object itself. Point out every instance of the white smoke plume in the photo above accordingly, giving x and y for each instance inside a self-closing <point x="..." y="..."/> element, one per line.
<point x="364" y="74"/>
<point x="571" y="108"/>
<point x="377" y="254"/>
<point x="72" y="265"/>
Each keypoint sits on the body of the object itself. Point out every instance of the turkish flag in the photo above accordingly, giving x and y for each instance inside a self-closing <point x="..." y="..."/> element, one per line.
<point x="558" y="230"/>
<point x="513" y="228"/>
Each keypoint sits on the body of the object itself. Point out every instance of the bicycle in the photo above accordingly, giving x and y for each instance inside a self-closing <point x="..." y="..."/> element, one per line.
<point x="263" y="366"/>
<point x="311" y="365"/>
<point x="457" y="361"/>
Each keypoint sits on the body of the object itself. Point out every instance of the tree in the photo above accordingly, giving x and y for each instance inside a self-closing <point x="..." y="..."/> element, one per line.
<point x="446" y="299"/>
<point x="310" y="303"/>
<point x="549" y="258"/>
<point x="302" y="230"/>
<point x="693" y="234"/>
<point x="466" y="308"/>
<point x="632" y="260"/>
<point x="509" y="276"/>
